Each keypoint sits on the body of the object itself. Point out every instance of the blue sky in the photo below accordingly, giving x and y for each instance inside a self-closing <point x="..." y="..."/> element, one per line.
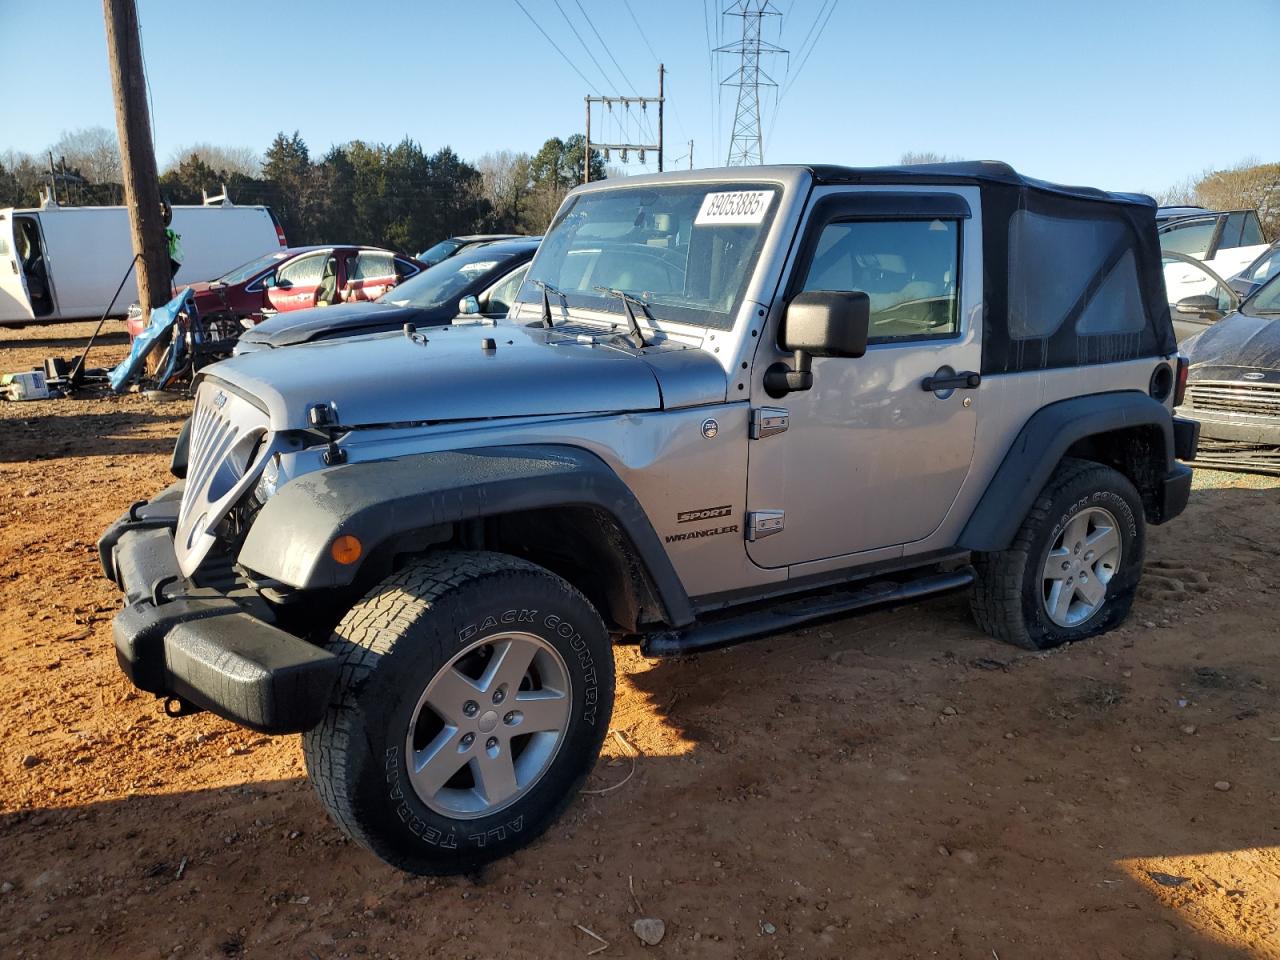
<point x="1122" y="94"/>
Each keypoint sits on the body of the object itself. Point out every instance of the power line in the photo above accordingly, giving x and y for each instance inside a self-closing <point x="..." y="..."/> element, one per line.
<point x="565" y="56"/>
<point x="607" y="81"/>
<point x="818" y="16"/>
<point x="675" y="109"/>
<point x="621" y="72"/>
<point x="777" y="107"/>
<point x="640" y="30"/>
<point x="805" y="58"/>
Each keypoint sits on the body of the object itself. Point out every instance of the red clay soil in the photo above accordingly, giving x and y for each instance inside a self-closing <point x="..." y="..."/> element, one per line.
<point x="894" y="785"/>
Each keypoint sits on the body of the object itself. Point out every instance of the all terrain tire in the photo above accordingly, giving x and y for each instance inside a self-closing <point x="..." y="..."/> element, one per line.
<point x="1073" y="567"/>
<point x="475" y="691"/>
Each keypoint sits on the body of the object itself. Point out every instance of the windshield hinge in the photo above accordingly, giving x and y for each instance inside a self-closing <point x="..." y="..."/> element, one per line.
<point x="767" y="421"/>
<point x="764" y="523"/>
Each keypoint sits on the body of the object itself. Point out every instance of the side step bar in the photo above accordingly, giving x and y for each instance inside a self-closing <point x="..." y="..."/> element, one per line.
<point x="789" y="614"/>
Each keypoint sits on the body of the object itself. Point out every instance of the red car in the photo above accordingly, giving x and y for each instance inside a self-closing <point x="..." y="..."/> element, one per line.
<point x="297" y="278"/>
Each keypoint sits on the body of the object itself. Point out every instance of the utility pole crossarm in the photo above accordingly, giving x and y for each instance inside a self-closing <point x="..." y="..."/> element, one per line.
<point x="624" y="148"/>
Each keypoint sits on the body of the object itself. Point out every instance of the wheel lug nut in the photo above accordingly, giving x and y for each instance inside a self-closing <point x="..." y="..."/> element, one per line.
<point x="499" y="695"/>
<point x="492" y="743"/>
<point x="510" y="717"/>
<point x="470" y="708"/>
<point x="468" y="739"/>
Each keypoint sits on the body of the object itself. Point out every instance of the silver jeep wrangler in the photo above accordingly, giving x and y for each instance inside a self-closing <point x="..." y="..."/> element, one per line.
<point x="725" y="403"/>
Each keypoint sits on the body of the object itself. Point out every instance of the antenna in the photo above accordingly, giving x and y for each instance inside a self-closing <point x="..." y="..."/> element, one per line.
<point x="747" y="145"/>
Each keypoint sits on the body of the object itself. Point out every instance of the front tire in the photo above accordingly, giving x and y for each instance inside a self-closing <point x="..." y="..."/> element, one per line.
<point x="1072" y="570"/>
<point x="475" y="692"/>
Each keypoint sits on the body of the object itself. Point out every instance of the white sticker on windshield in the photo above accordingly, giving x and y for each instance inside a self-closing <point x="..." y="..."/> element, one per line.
<point x="734" y="207"/>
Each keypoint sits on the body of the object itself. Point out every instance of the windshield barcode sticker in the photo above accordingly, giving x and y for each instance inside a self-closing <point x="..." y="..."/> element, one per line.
<point x="733" y="208"/>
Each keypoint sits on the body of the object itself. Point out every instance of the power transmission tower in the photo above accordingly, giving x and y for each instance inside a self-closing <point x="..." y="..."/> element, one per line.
<point x="624" y="148"/>
<point x="747" y="145"/>
<point x="137" y="155"/>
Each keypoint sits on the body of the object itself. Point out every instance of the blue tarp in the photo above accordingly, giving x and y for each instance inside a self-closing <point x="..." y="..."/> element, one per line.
<point x="161" y="322"/>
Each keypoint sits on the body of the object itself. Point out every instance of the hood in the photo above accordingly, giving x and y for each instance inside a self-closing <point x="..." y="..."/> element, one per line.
<point x="1237" y="342"/>
<point x="343" y="319"/>
<point x="388" y="378"/>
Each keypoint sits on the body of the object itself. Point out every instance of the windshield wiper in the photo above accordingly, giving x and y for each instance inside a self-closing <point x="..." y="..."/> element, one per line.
<point x="547" y="288"/>
<point x="627" y="300"/>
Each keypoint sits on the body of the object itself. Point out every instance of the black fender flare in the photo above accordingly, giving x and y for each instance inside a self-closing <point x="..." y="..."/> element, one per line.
<point x="1040" y="446"/>
<point x="290" y="538"/>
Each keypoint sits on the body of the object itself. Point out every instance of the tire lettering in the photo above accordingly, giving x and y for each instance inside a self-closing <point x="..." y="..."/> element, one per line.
<point x="514" y="615"/>
<point x="498" y="833"/>
<point x="417" y="826"/>
<point x="591" y="693"/>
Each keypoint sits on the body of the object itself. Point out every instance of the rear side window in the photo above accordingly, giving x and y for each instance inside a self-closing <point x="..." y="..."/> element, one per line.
<point x="1231" y="231"/>
<point x="373" y="266"/>
<point x="908" y="269"/>
<point x="1191" y="237"/>
<point x="1073" y="271"/>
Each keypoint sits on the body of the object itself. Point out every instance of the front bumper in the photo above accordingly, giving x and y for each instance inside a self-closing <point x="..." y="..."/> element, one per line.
<point x="177" y="639"/>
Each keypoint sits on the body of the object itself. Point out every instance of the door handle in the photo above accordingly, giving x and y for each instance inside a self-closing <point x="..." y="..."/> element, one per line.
<point x="965" y="380"/>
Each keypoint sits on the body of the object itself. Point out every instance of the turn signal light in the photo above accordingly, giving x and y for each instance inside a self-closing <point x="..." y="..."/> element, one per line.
<point x="346" y="549"/>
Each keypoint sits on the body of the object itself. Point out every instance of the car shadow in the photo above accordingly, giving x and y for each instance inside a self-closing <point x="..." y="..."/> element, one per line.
<point x="814" y="782"/>
<point x="74" y="345"/>
<point x="888" y="785"/>
<point x="38" y="432"/>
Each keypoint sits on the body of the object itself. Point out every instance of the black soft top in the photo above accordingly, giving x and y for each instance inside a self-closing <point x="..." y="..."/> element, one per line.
<point x="978" y="172"/>
<point x="1071" y="275"/>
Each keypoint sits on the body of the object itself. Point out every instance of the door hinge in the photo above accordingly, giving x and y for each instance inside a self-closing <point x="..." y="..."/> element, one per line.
<point x="763" y="523"/>
<point x="766" y="421"/>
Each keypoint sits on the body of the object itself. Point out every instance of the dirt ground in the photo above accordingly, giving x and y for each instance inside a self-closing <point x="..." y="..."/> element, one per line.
<point x="892" y="785"/>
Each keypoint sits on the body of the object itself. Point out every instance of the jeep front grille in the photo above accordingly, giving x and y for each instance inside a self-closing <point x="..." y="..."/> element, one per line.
<point x="1255" y="399"/>
<point x="223" y="460"/>
<point x="212" y="435"/>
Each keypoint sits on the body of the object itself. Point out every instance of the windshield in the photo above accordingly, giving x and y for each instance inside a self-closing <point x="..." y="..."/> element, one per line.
<point x="441" y="251"/>
<point x="686" y="250"/>
<point x="1266" y="299"/>
<point x="246" y="270"/>
<point x="449" y="279"/>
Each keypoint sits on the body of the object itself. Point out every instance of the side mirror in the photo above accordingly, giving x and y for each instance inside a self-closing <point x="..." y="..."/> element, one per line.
<point x="468" y="306"/>
<point x="819" y="323"/>
<point x="1202" y="305"/>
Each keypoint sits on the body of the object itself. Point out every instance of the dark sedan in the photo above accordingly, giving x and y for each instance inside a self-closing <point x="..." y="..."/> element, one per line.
<point x="455" y="245"/>
<point x="1233" y="385"/>
<point x="481" y="281"/>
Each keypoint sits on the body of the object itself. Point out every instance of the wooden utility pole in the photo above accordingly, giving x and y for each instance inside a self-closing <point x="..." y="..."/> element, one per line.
<point x="137" y="154"/>
<point x="662" y="70"/>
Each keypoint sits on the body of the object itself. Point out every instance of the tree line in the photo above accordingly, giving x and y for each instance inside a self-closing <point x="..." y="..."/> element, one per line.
<point x="392" y="195"/>
<point x="401" y="197"/>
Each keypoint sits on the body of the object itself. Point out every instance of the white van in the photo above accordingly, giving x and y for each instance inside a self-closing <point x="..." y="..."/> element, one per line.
<point x="65" y="263"/>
